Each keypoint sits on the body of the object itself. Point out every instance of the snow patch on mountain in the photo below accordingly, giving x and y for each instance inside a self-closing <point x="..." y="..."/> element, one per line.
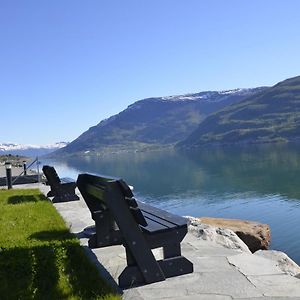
<point x="208" y="96"/>
<point x="184" y="97"/>
<point x="13" y="146"/>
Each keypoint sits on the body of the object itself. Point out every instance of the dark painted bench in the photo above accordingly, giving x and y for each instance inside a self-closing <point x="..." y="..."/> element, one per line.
<point x="62" y="189"/>
<point x="122" y="220"/>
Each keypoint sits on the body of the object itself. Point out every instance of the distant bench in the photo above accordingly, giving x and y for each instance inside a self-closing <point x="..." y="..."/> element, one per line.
<point x="62" y="189"/>
<point x="120" y="219"/>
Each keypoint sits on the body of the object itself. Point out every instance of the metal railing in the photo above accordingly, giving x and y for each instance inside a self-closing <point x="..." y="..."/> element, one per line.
<point x="24" y="172"/>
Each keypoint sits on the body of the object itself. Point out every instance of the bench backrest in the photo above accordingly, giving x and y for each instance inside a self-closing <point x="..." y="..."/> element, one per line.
<point x="97" y="192"/>
<point x="51" y="175"/>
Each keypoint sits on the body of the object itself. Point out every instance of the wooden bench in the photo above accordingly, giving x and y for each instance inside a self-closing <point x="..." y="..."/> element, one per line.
<point x="122" y="220"/>
<point x="62" y="189"/>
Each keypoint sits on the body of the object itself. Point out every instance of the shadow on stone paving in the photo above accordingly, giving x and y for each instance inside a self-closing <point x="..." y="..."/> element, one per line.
<point x="81" y="235"/>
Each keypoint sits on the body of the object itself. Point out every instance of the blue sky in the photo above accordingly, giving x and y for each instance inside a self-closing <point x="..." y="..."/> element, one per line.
<point x="65" y="64"/>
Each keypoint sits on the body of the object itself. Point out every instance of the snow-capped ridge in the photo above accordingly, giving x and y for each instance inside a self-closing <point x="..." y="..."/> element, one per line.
<point x="204" y="97"/>
<point x="13" y="146"/>
<point x="207" y="96"/>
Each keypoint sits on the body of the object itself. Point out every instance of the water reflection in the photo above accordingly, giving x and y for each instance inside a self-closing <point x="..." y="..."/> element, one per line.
<point x="266" y="169"/>
<point x="271" y="169"/>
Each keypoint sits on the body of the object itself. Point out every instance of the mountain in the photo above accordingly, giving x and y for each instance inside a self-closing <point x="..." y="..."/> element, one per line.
<point x="154" y="122"/>
<point x="29" y="150"/>
<point x="272" y="115"/>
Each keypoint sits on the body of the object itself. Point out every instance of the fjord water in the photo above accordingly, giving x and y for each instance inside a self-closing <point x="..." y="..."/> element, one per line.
<point x="259" y="183"/>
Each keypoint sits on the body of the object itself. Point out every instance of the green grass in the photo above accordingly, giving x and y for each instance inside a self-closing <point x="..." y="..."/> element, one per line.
<point x="39" y="257"/>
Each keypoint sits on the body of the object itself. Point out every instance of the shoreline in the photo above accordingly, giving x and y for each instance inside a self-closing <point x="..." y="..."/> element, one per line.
<point x="228" y="238"/>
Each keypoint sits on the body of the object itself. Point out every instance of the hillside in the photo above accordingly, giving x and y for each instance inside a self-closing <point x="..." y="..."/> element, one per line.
<point x="271" y="115"/>
<point x="154" y="122"/>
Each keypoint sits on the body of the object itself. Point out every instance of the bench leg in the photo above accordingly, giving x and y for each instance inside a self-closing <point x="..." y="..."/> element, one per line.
<point x="172" y="265"/>
<point x="96" y="241"/>
<point x="50" y="194"/>
<point x="176" y="266"/>
<point x="64" y="198"/>
<point x="147" y="271"/>
<point x="129" y="258"/>
<point x="104" y="233"/>
<point x="172" y="250"/>
<point x="132" y="276"/>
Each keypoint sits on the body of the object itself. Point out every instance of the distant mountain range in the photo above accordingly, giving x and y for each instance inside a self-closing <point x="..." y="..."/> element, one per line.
<point x="29" y="150"/>
<point x="272" y="115"/>
<point x="154" y="122"/>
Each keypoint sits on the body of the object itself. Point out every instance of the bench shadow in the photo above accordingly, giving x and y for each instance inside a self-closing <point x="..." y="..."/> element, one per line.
<point x="77" y="274"/>
<point x="53" y="235"/>
<point x="81" y="235"/>
<point x="95" y="261"/>
<point x="75" y="252"/>
<point x="22" y="273"/>
<point x="103" y="271"/>
<point x="25" y="198"/>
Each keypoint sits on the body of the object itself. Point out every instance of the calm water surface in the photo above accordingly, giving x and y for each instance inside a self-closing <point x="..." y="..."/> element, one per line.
<point x="259" y="183"/>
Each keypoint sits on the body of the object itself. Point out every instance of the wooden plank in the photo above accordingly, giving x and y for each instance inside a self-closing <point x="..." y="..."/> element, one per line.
<point x="90" y="196"/>
<point x="125" y="188"/>
<point x="138" y="216"/>
<point x="131" y="202"/>
<point x="95" y="191"/>
<point x="159" y="220"/>
<point x="154" y="227"/>
<point x="176" y="220"/>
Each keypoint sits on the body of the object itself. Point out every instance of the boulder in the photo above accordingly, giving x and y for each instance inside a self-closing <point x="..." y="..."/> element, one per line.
<point x="222" y="236"/>
<point x="255" y="235"/>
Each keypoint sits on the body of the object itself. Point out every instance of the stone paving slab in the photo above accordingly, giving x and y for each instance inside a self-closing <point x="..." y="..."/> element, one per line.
<point x="276" y="285"/>
<point x="222" y="283"/>
<point x="219" y="273"/>
<point x="272" y="298"/>
<point x="250" y="264"/>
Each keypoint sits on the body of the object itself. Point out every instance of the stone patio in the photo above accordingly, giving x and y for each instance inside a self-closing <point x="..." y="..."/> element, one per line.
<point x="219" y="273"/>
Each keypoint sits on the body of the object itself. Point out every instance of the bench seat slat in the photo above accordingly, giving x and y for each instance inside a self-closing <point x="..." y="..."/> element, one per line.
<point x="157" y="219"/>
<point x="171" y="218"/>
<point x="153" y="227"/>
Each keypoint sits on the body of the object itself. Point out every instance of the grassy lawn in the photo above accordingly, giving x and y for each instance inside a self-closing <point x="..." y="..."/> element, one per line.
<point x="39" y="257"/>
